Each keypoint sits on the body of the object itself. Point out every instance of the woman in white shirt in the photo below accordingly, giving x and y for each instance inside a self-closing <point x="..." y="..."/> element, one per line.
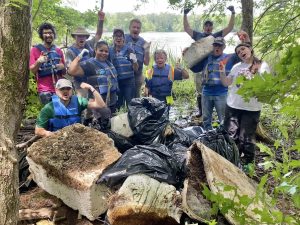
<point x="241" y="117"/>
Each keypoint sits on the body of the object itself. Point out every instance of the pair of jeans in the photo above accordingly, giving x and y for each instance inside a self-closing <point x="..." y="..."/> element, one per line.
<point x="126" y="92"/>
<point x="241" y="126"/>
<point x="208" y="105"/>
<point x="45" y="97"/>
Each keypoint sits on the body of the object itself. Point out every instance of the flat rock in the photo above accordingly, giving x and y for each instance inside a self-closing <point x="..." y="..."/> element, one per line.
<point x="198" y="51"/>
<point x="142" y="201"/>
<point x="68" y="163"/>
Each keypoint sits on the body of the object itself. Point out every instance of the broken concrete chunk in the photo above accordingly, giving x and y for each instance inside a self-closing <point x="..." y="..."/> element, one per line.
<point x="142" y="201"/>
<point x="68" y="164"/>
<point x="198" y="51"/>
<point x="120" y="125"/>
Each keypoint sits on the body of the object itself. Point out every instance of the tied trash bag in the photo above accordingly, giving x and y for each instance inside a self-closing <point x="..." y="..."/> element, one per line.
<point x="147" y="119"/>
<point x="219" y="141"/>
<point x="156" y="161"/>
<point x="194" y="132"/>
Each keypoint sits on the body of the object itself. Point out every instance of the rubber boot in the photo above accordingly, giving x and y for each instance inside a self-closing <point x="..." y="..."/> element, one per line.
<point x="199" y="105"/>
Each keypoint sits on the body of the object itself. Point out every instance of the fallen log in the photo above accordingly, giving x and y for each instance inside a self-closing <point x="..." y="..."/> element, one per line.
<point x="142" y="201"/>
<point x="68" y="163"/>
<point x="263" y="135"/>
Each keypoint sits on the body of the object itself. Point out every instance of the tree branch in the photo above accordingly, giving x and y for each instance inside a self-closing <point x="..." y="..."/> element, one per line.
<point x="37" y="10"/>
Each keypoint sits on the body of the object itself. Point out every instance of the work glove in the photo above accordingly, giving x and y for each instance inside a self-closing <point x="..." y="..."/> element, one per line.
<point x="43" y="58"/>
<point x="231" y="9"/>
<point x="186" y="10"/>
<point x="132" y="56"/>
<point x="82" y="53"/>
<point x="147" y="47"/>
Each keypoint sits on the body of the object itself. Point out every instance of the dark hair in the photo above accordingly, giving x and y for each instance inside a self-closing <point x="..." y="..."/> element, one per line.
<point x="46" y="26"/>
<point x="246" y="44"/>
<point x="100" y="43"/>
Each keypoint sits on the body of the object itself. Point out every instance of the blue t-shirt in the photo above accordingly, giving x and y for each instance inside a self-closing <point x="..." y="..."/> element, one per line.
<point x="198" y="35"/>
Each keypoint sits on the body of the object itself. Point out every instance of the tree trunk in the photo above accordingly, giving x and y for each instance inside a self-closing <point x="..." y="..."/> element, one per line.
<point x="247" y="14"/>
<point x="15" y="36"/>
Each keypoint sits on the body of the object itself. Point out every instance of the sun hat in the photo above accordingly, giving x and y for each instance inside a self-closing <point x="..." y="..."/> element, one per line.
<point x="80" y="31"/>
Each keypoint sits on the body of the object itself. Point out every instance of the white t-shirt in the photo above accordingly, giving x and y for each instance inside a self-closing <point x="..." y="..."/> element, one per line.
<point x="236" y="101"/>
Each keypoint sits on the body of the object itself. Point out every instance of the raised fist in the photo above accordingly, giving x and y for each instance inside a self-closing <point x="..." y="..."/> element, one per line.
<point x="82" y="53"/>
<point x="186" y="10"/>
<point x="101" y="15"/>
<point x="231" y="9"/>
<point x="146" y="46"/>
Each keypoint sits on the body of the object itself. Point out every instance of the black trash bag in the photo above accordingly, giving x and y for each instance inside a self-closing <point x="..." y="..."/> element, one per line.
<point x="25" y="183"/>
<point x="156" y="161"/>
<point x="147" y="119"/>
<point x="219" y="141"/>
<point x="173" y="134"/>
<point x="122" y="143"/>
<point x="194" y="132"/>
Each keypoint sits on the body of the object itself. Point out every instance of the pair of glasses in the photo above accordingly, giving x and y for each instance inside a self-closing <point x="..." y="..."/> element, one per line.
<point x="50" y="33"/>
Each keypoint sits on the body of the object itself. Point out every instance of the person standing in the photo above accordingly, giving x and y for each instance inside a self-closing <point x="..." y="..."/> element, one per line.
<point x="125" y="62"/>
<point x="47" y="63"/>
<point x="197" y="35"/>
<point x="141" y="49"/>
<point x="242" y="117"/>
<point x="81" y="42"/>
<point x="160" y="78"/>
<point x="65" y="108"/>
<point x="100" y="73"/>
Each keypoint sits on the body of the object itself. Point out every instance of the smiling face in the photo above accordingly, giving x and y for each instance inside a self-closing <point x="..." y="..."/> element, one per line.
<point x="208" y="28"/>
<point x="160" y="59"/>
<point x="244" y="53"/>
<point x="102" y="52"/>
<point x="48" y="36"/>
<point x="80" y="40"/>
<point x="64" y="94"/>
<point x="218" y="49"/>
<point x="135" y="29"/>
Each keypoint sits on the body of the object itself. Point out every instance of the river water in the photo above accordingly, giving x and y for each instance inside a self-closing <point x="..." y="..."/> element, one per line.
<point x="175" y="42"/>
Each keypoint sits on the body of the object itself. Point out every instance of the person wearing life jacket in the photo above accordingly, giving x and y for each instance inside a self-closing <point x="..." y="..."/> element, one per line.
<point x="197" y="35"/>
<point x="160" y="78"/>
<point x="141" y="49"/>
<point x="100" y="73"/>
<point x="47" y="63"/>
<point x="81" y="42"/>
<point x="125" y="61"/>
<point x="214" y="93"/>
<point x="65" y="108"/>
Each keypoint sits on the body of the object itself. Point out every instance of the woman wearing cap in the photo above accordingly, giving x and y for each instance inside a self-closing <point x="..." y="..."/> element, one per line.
<point x="125" y="62"/>
<point x="242" y="117"/>
<point x="100" y="73"/>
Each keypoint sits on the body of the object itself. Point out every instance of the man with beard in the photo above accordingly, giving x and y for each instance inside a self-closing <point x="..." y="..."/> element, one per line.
<point x="65" y="108"/>
<point x="81" y="35"/>
<point x="141" y="49"/>
<point x="46" y="62"/>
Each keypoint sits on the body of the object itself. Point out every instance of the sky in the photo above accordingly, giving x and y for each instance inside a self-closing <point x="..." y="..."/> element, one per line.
<point x="112" y="6"/>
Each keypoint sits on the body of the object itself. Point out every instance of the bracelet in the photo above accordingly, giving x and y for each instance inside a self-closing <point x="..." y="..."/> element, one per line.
<point x="93" y="90"/>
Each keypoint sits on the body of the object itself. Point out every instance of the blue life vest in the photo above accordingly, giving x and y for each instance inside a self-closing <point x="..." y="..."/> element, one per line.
<point x="137" y="47"/>
<point x="64" y="116"/>
<point x="48" y="68"/>
<point x="121" y="62"/>
<point x="105" y="76"/>
<point x="160" y="81"/>
<point x="211" y="73"/>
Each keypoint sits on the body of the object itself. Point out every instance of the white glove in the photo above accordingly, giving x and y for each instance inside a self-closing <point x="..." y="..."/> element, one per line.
<point x="132" y="56"/>
<point x="82" y="53"/>
<point x="42" y="59"/>
<point x="147" y="46"/>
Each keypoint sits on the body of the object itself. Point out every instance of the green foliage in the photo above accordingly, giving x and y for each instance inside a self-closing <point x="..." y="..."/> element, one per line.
<point x="33" y="105"/>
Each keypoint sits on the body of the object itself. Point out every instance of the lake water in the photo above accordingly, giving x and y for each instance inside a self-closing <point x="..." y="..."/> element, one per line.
<point x="175" y="42"/>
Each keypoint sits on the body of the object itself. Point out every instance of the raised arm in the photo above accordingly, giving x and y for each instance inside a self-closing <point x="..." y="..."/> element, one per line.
<point x="226" y="80"/>
<point x="101" y="16"/>
<point x="186" y="24"/>
<point x="97" y="102"/>
<point x="74" y="68"/>
<point x="147" y="53"/>
<point x="230" y="25"/>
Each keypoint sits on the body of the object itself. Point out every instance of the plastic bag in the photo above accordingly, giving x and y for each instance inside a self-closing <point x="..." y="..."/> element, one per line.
<point x="122" y="143"/>
<point x="147" y="119"/>
<point x="194" y="132"/>
<point x="173" y="134"/>
<point x="219" y="141"/>
<point x="156" y="161"/>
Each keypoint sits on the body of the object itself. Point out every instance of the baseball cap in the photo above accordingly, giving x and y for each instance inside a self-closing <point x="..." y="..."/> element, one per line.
<point x="61" y="83"/>
<point x="118" y="30"/>
<point x="219" y="41"/>
<point x="208" y="23"/>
